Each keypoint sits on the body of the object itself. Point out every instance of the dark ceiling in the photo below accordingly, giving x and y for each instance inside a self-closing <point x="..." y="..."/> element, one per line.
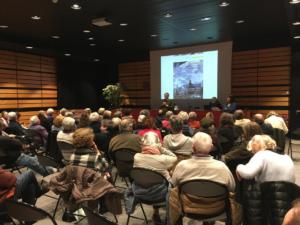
<point x="265" y="21"/>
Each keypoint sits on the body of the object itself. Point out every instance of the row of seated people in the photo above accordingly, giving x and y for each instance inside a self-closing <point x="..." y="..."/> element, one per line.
<point x="184" y="149"/>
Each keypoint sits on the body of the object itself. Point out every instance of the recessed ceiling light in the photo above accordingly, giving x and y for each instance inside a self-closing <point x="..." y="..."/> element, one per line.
<point x="36" y="17"/>
<point x="294" y="1"/>
<point x="67" y="54"/>
<point x="168" y="15"/>
<point x="224" y="4"/>
<point x="3" y="26"/>
<point x="92" y="44"/>
<point x="193" y="29"/>
<point x="86" y="31"/>
<point x="123" y="24"/>
<point x="297" y="23"/>
<point x="240" y="21"/>
<point x="55" y="37"/>
<point x="297" y="37"/>
<point x="205" y="19"/>
<point x="91" y="38"/>
<point x="153" y="35"/>
<point x="96" y="60"/>
<point x="121" y="40"/>
<point x="29" y="47"/>
<point x="76" y="7"/>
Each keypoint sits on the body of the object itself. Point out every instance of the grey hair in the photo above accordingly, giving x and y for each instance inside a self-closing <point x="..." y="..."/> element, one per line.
<point x="94" y="117"/>
<point x="202" y="142"/>
<point x="34" y="120"/>
<point x="151" y="139"/>
<point x="68" y="124"/>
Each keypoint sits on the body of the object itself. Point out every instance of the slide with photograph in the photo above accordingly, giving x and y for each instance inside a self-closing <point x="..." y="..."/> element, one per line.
<point x="190" y="76"/>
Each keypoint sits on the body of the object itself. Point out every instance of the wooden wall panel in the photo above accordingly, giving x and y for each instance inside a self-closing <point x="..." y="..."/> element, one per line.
<point x="135" y="80"/>
<point x="262" y="77"/>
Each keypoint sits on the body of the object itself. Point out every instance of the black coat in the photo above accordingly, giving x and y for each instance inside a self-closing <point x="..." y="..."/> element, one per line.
<point x="267" y="203"/>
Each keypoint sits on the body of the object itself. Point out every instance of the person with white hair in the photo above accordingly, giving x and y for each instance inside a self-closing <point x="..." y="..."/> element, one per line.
<point x="95" y="123"/>
<point x="186" y="130"/>
<point x="63" y="111"/>
<point x="101" y="111"/>
<point x="35" y="124"/>
<point x="14" y="127"/>
<point x="266" y="165"/>
<point x="49" y="115"/>
<point x="66" y="135"/>
<point x="276" y="121"/>
<point x="202" y="165"/>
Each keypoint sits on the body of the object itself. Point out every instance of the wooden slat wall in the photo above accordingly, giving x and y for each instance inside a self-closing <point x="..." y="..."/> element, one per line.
<point x="261" y="77"/>
<point x="27" y="81"/>
<point x="135" y="79"/>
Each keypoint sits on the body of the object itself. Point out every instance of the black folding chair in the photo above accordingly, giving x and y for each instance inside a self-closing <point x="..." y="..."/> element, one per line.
<point x="123" y="159"/>
<point x="279" y="137"/>
<point x="294" y="139"/>
<point x="95" y="218"/>
<point x="207" y="189"/>
<point x="24" y="212"/>
<point x="147" y="178"/>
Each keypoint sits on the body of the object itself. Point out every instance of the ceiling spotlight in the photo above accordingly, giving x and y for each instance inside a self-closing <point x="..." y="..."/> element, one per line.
<point x="36" y="17"/>
<point x="224" y="4"/>
<point x="240" y="21"/>
<point x="3" y="26"/>
<point x="193" y="29"/>
<point x="123" y="24"/>
<point x="168" y="15"/>
<point x="297" y="37"/>
<point x="297" y="23"/>
<point x="92" y="44"/>
<point x="91" y="38"/>
<point x="55" y="1"/>
<point x="55" y="37"/>
<point x="67" y="54"/>
<point x="205" y="19"/>
<point x="121" y="40"/>
<point x="76" y="7"/>
<point x="294" y="2"/>
<point x="29" y="47"/>
<point x="86" y="31"/>
<point x="96" y="60"/>
<point x="153" y="35"/>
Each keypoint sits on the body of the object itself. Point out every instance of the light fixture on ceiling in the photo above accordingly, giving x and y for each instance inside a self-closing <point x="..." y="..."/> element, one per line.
<point x="121" y="40"/>
<point x="36" y="17"/>
<point x="168" y="15"/>
<point x="86" y="31"/>
<point x="240" y="21"/>
<point x="3" y="26"/>
<point x="293" y="2"/>
<point x="153" y="35"/>
<point x="67" y="54"/>
<point x="55" y="37"/>
<point x="96" y="60"/>
<point x="224" y="4"/>
<point x="90" y="38"/>
<point x="123" y="24"/>
<point x="297" y="37"/>
<point x="29" y="47"/>
<point x="297" y="23"/>
<point x="101" y="22"/>
<point x="203" y="19"/>
<point x="193" y="29"/>
<point x="76" y="6"/>
<point x="92" y="44"/>
<point x="55" y="1"/>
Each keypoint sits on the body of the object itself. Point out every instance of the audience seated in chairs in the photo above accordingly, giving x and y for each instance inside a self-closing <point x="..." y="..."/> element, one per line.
<point x="95" y="123"/>
<point x="49" y="116"/>
<point x="193" y="122"/>
<point x="177" y="142"/>
<point x="165" y="121"/>
<point x="35" y="124"/>
<point x="266" y="128"/>
<point x="57" y="123"/>
<point x="148" y="125"/>
<point x="276" y="121"/>
<point x="239" y="118"/>
<point x="66" y="134"/>
<point x="14" y="127"/>
<point x="186" y="130"/>
<point x="200" y="166"/>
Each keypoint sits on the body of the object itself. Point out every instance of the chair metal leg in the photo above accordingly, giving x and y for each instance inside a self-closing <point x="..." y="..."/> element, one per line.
<point x="116" y="218"/>
<point x="126" y="182"/>
<point x="128" y="218"/>
<point x="116" y="176"/>
<point x="58" y="200"/>
<point x="144" y="213"/>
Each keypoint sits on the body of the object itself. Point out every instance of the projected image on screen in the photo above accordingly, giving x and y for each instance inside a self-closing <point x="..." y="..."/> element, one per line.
<point x="190" y="76"/>
<point x="188" y="79"/>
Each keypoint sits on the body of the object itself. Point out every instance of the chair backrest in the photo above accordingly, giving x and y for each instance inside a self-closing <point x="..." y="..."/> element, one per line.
<point x="96" y="219"/>
<point x="66" y="149"/>
<point x="52" y="146"/>
<point x="279" y="137"/>
<point x="147" y="178"/>
<point x="24" y="212"/>
<point x="124" y="161"/>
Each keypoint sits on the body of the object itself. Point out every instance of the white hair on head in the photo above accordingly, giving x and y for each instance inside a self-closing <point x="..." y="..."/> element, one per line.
<point x="183" y="115"/>
<point x="69" y="114"/>
<point x="34" y="120"/>
<point x="101" y="110"/>
<point x="202" y="142"/>
<point x="141" y="118"/>
<point x="193" y="115"/>
<point x="12" y="115"/>
<point x="151" y="139"/>
<point x="258" y="139"/>
<point x="116" y="121"/>
<point x="94" y="117"/>
<point x="50" y="111"/>
<point x="68" y="123"/>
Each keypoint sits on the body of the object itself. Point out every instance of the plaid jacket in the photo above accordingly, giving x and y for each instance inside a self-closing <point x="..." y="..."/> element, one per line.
<point x="88" y="158"/>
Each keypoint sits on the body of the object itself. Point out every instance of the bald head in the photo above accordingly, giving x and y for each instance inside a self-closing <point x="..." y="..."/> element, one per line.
<point x="202" y="143"/>
<point x="258" y="118"/>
